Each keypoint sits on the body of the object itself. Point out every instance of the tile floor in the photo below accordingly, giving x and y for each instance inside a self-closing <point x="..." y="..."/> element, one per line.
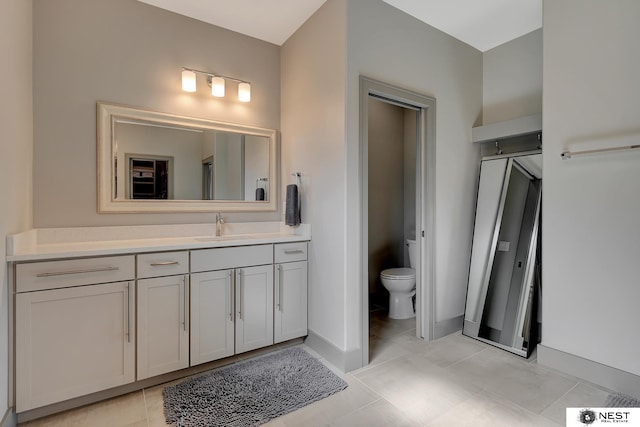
<point x="454" y="381"/>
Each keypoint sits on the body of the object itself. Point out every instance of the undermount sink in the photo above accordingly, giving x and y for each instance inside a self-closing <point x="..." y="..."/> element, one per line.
<point x="223" y="238"/>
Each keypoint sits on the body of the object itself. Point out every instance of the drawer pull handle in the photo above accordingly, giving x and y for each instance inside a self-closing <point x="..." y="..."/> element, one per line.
<point x="280" y="290"/>
<point x="68" y="272"/>
<point x="293" y="251"/>
<point x="164" y="263"/>
<point x="184" y="303"/>
<point x="240" y="282"/>
<point x="230" y="301"/>
<point x="128" y="289"/>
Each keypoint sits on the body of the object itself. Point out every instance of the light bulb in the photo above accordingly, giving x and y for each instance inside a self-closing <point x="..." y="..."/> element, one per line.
<point x="217" y="86"/>
<point x="244" y="92"/>
<point x="188" y="81"/>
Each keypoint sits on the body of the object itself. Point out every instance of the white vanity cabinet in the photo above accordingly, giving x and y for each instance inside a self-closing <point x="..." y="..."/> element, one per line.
<point x="212" y="311"/>
<point x="254" y="307"/>
<point x="74" y="328"/>
<point x="231" y="302"/>
<point x="94" y="321"/>
<point x="290" y="315"/>
<point x="163" y="313"/>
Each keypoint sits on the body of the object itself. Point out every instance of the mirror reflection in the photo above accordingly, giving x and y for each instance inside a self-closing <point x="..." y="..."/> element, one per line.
<point x="155" y="161"/>
<point x="504" y="276"/>
<point x="158" y="162"/>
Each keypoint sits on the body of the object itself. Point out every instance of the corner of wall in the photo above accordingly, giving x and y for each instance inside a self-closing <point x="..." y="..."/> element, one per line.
<point x="16" y="162"/>
<point x="345" y="361"/>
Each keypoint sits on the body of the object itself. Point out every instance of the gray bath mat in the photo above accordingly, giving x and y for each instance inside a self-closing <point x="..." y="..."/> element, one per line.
<point x="619" y="400"/>
<point x="251" y="392"/>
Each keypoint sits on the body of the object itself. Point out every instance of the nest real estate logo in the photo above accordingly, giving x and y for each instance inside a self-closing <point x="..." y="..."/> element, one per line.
<point x="581" y="417"/>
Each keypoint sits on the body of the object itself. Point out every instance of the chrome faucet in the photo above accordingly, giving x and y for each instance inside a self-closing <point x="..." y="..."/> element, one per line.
<point x="219" y="222"/>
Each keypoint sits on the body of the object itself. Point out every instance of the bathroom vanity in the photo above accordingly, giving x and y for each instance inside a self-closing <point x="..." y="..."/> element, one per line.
<point x="95" y="310"/>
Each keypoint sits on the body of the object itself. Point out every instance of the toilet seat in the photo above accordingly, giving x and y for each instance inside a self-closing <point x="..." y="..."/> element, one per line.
<point x="399" y="273"/>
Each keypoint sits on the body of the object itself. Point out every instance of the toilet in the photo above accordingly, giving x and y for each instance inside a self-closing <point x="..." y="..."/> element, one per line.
<point x="401" y="284"/>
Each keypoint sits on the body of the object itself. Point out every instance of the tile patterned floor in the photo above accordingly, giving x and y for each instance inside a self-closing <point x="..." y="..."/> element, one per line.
<point x="453" y="381"/>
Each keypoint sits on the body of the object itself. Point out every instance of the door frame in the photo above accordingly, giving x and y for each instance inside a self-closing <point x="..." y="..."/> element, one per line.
<point x="425" y="202"/>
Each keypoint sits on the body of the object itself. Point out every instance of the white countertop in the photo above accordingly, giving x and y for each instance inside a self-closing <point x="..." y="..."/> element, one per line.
<point x="56" y="243"/>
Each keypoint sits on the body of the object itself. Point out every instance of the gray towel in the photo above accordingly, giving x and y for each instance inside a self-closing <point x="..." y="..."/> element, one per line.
<point x="292" y="209"/>
<point x="260" y="194"/>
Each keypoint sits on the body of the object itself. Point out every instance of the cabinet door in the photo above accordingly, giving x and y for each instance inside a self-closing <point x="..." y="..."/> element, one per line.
<point x="71" y="342"/>
<point x="211" y="316"/>
<point x="290" y="316"/>
<point x="163" y="328"/>
<point x="254" y="307"/>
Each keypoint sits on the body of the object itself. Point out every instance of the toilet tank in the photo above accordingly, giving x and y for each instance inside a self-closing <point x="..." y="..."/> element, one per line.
<point x="411" y="244"/>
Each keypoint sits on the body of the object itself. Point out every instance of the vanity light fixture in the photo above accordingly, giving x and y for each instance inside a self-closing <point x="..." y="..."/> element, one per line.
<point x="244" y="92"/>
<point x="188" y="80"/>
<point x="216" y="82"/>
<point x="217" y="86"/>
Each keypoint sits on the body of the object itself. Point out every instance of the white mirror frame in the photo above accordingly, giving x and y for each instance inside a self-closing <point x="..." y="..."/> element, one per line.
<point x="106" y="115"/>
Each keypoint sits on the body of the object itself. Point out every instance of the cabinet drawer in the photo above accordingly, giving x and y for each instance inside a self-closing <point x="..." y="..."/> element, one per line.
<point x="232" y="257"/>
<point x="38" y="276"/>
<point x="289" y="252"/>
<point x="163" y="264"/>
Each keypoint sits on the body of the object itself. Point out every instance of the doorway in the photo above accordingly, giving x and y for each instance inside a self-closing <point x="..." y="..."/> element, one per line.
<point x="397" y="173"/>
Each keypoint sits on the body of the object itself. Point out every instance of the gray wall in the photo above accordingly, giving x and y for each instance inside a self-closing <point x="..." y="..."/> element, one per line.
<point x="390" y="46"/>
<point x="16" y="144"/>
<point x="227" y="169"/>
<point x="386" y="194"/>
<point x="320" y="76"/>
<point x="591" y="205"/>
<point x="313" y="126"/>
<point x="127" y="52"/>
<point x="512" y="79"/>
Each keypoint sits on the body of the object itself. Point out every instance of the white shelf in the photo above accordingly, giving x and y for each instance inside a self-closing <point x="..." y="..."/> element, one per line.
<point x="507" y="129"/>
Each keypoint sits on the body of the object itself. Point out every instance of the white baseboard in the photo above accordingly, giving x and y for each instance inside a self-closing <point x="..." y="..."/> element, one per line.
<point x="346" y="361"/>
<point x="597" y="373"/>
<point x="448" y="326"/>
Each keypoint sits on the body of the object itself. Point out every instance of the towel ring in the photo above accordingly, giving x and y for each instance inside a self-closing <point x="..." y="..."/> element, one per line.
<point x="298" y="178"/>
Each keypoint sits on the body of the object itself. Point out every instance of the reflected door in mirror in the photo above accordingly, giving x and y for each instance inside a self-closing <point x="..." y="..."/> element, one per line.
<point x="148" y="178"/>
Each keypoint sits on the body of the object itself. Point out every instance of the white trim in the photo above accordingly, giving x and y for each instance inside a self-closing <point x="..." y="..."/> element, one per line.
<point x="448" y="327"/>
<point x="344" y="361"/>
<point x="425" y="205"/>
<point x="597" y="373"/>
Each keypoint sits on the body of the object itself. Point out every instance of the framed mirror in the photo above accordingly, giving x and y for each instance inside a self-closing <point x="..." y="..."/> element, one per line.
<point x="158" y="162"/>
<point x="504" y="275"/>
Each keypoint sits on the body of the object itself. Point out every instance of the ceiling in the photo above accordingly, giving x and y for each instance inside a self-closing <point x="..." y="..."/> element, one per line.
<point x="483" y="24"/>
